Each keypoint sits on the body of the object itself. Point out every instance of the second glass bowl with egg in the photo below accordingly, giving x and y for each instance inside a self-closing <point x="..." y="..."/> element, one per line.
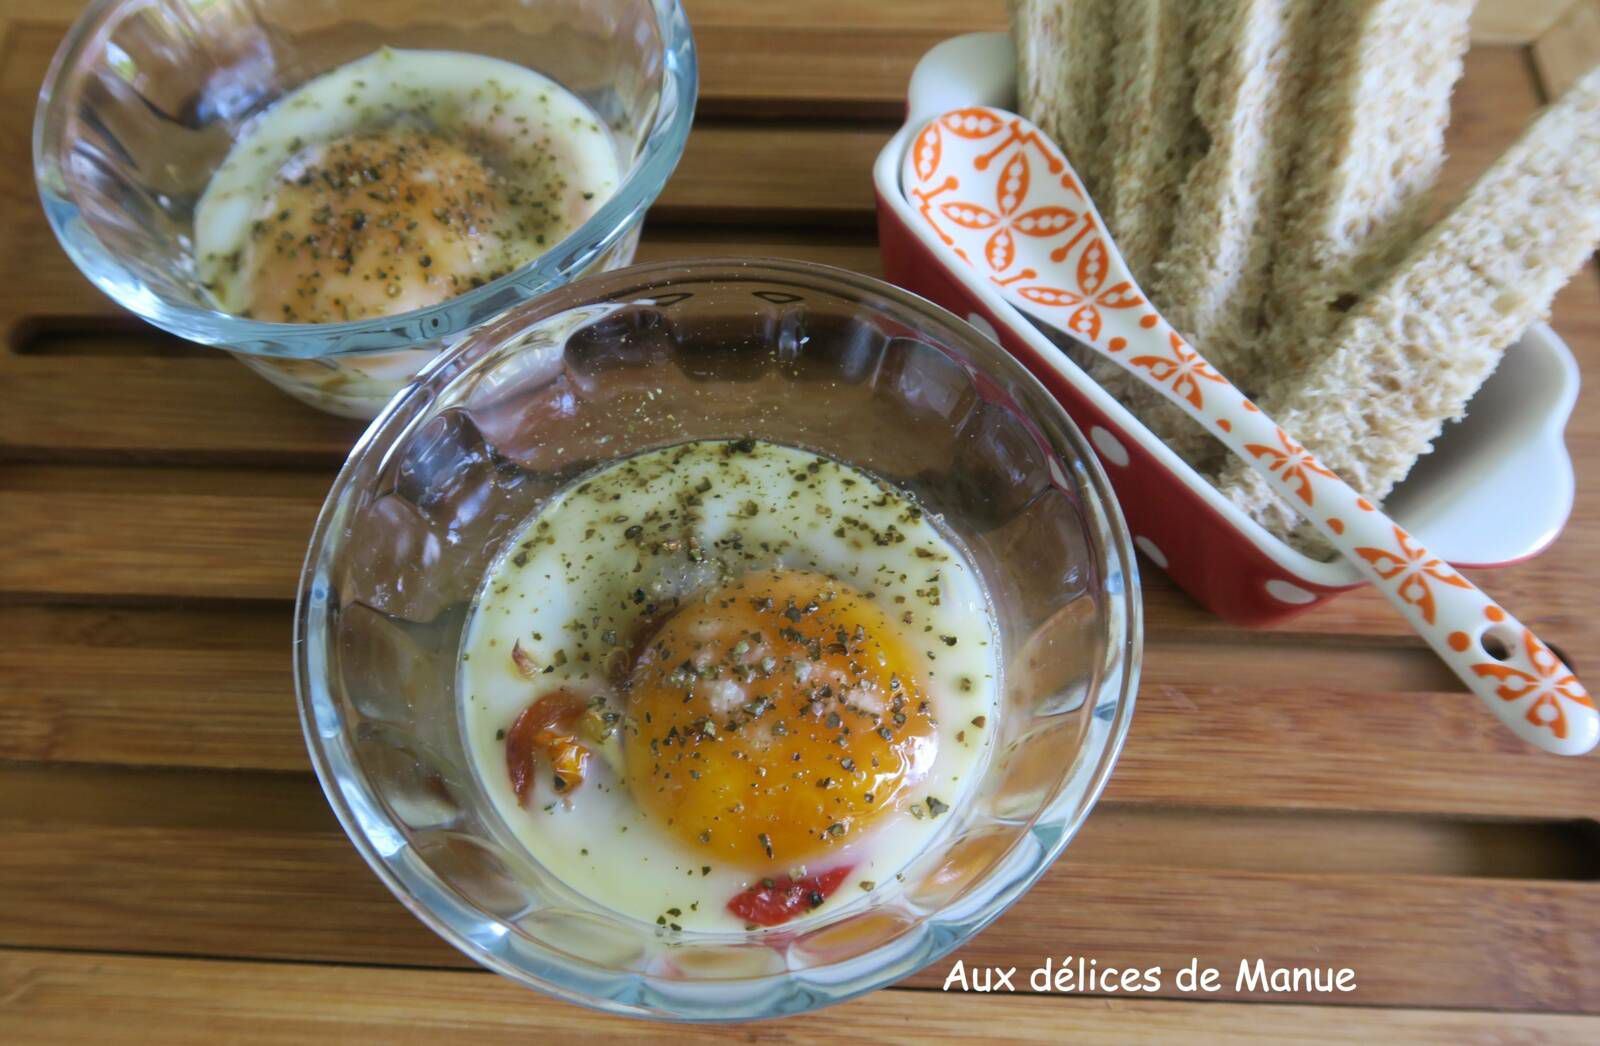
<point x="335" y="191"/>
<point x="717" y="640"/>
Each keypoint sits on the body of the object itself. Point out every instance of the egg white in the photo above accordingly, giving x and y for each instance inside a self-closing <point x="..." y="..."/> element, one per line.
<point x="568" y="585"/>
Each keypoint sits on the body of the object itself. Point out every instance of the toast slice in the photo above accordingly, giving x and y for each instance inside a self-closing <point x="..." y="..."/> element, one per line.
<point x="1248" y="56"/>
<point x="1152" y="139"/>
<point x="1064" y="76"/>
<point x="1243" y="60"/>
<point x="1376" y="107"/>
<point x="1152" y="135"/>
<point x="1412" y="352"/>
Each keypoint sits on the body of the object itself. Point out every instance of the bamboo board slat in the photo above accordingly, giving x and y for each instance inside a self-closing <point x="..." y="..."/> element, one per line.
<point x="183" y="877"/>
<point x="59" y="997"/>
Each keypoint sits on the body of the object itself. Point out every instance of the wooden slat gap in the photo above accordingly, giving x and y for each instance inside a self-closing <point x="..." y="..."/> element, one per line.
<point x="83" y="335"/>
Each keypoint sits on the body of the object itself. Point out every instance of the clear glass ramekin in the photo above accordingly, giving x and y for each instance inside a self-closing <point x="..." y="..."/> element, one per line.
<point x="651" y="356"/>
<point x="144" y="98"/>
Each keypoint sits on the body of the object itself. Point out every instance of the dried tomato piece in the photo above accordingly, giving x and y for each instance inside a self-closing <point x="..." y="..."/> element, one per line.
<point x="548" y="729"/>
<point x="787" y="897"/>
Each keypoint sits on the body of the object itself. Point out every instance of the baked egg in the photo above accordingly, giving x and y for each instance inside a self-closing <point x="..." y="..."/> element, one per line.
<point x="395" y="182"/>
<point x="728" y="684"/>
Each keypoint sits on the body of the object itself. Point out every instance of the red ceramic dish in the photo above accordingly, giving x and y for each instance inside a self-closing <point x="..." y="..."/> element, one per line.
<point x="1509" y="452"/>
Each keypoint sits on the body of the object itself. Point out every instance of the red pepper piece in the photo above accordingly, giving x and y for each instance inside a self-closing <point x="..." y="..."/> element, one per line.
<point x="547" y="728"/>
<point x="786" y="898"/>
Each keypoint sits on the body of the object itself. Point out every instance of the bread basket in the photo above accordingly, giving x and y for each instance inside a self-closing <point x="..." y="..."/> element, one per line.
<point x="1497" y="488"/>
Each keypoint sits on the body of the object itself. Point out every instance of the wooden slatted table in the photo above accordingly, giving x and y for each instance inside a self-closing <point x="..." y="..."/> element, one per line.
<point x="1318" y="794"/>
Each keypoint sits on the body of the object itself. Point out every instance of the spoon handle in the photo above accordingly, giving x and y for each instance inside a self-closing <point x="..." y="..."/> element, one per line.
<point x="1498" y="657"/>
<point x="999" y="196"/>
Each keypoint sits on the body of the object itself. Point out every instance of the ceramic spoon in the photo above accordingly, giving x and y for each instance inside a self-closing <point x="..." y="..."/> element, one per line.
<point x="1001" y="197"/>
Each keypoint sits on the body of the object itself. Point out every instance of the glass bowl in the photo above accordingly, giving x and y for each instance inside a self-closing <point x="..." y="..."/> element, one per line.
<point x="144" y="98"/>
<point x="617" y="364"/>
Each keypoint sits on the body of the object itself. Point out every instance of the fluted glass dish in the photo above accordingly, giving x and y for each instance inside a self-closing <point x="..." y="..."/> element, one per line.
<point x="145" y="97"/>
<point x="652" y="356"/>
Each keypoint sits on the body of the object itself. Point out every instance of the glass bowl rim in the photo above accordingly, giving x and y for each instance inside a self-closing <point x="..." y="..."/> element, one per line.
<point x="452" y="318"/>
<point x="381" y="844"/>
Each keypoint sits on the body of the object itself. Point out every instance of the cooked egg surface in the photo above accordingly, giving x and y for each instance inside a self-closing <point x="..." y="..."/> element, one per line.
<point x="396" y="182"/>
<point x="710" y="667"/>
<point x="772" y="717"/>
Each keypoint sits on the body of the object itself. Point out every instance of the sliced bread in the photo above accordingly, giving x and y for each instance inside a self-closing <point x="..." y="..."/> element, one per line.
<point x="1412" y="352"/>
<point x="1152" y="136"/>
<point x="1064" y="76"/>
<point x="1242" y="61"/>
<point x="1039" y="35"/>
<point x="1152" y="139"/>
<point x="1378" y="98"/>
<point x="1248" y="57"/>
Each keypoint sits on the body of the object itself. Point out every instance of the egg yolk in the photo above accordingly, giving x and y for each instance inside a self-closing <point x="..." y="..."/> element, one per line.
<point x="372" y="225"/>
<point x="775" y="718"/>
